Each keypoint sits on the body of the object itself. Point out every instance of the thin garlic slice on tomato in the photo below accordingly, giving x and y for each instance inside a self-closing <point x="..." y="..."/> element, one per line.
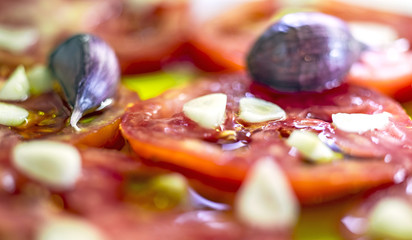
<point x="40" y="79"/>
<point x="12" y="115"/>
<point x="17" y="86"/>
<point x="53" y="163"/>
<point x="254" y="110"/>
<point x="208" y="111"/>
<point x="171" y="189"/>
<point x="311" y="147"/>
<point x="17" y="40"/>
<point x="360" y="122"/>
<point x="266" y="199"/>
<point x="69" y="228"/>
<point x="391" y="218"/>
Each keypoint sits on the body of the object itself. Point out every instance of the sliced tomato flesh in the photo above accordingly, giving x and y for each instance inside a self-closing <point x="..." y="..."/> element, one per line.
<point x="48" y="115"/>
<point x="388" y="72"/>
<point x="361" y="13"/>
<point x="158" y="131"/>
<point x="145" y="36"/>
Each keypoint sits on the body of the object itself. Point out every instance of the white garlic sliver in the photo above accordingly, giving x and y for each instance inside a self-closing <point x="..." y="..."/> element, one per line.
<point x="391" y="218"/>
<point x="17" y="87"/>
<point x="53" y="163"/>
<point x="69" y="228"/>
<point x="40" y="79"/>
<point x="266" y="199"/>
<point x="360" y="122"/>
<point x="12" y="115"/>
<point x="254" y="110"/>
<point x="208" y="111"/>
<point x="311" y="147"/>
<point x="17" y="40"/>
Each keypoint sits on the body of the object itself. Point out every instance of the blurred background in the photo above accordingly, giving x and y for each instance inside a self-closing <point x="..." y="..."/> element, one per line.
<point x="149" y="34"/>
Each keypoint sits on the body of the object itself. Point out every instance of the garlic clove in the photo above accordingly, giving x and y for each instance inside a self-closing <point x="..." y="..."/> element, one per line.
<point x="88" y="71"/>
<point x="208" y="111"/>
<point x="304" y="51"/>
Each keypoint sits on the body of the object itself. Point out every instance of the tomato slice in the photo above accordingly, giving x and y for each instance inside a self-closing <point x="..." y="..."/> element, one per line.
<point x="100" y="129"/>
<point x="158" y="131"/>
<point x="145" y="35"/>
<point x="222" y="43"/>
<point x="350" y="12"/>
<point x="388" y="72"/>
<point x="48" y="119"/>
<point x="100" y="196"/>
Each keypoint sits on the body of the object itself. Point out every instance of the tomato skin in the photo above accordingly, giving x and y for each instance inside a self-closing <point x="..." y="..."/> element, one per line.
<point x="158" y="132"/>
<point x="387" y="72"/>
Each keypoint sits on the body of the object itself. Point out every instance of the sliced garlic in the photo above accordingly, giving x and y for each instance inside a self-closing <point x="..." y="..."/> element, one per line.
<point x="40" y="79"/>
<point x="208" y="111"/>
<point x="256" y="110"/>
<point x="266" y="200"/>
<point x="311" y="147"/>
<point x="54" y="163"/>
<point x="69" y="228"/>
<point x="171" y="189"/>
<point x="17" y="87"/>
<point x="12" y="115"/>
<point x="17" y="40"/>
<point x="360" y="122"/>
<point x="391" y="218"/>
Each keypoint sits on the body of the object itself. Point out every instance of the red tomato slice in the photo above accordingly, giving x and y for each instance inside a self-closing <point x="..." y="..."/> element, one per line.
<point x="48" y="119"/>
<point x="348" y="12"/>
<point x="25" y="215"/>
<point x="222" y="43"/>
<point x="158" y="131"/>
<point x="146" y="35"/>
<point x="388" y="72"/>
<point x="99" y="196"/>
